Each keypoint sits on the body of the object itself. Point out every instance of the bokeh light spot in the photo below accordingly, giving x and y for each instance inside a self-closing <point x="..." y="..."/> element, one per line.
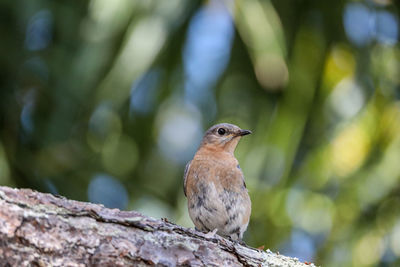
<point x="119" y="155"/>
<point x="347" y="98"/>
<point x="206" y="54"/>
<point x="39" y="31"/>
<point x="310" y="211"/>
<point x="300" y="245"/>
<point x="387" y="31"/>
<point x="104" y="124"/>
<point x="180" y="131"/>
<point x="144" y="92"/>
<point x="349" y="150"/>
<point x="395" y="239"/>
<point x="339" y="64"/>
<point x="368" y="250"/>
<point x="106" y="190"/>
<point x="358" y="23"/>
<point x="26" y="116"/>
<point x="153" y="207"/>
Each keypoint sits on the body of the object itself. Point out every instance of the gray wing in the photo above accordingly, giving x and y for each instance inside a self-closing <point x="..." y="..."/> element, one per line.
<point x="185" y="174"/>
<point x="244" y="183"/>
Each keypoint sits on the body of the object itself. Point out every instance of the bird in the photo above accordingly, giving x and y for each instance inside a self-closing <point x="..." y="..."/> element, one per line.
<point x="214" y="185"/>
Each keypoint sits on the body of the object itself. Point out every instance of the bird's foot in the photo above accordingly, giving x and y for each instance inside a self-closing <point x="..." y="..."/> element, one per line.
<point x="240" y="242"/>
<point x="212" y="233"/>
<point x="237" y="241"/>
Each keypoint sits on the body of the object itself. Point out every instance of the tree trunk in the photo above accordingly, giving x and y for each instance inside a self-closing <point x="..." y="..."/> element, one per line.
<point x="39" y="229"/>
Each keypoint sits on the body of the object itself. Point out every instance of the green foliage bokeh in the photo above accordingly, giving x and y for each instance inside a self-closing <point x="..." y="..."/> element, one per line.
<point x="105" y="101"/>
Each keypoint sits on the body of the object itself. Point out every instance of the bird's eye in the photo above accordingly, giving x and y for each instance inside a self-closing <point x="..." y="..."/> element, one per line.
<point x="221" y="131"/>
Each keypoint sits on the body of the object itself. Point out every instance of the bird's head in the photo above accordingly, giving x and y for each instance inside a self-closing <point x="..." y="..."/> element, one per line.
<point x="223" y="136"/>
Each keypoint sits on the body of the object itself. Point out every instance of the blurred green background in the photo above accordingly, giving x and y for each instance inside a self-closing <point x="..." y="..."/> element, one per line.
<point x="106" y="100"/>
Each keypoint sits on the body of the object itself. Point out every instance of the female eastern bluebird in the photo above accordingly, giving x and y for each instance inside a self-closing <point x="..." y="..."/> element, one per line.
<point x="214" y="185"/>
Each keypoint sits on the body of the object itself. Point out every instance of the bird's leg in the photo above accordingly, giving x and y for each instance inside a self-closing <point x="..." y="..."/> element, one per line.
<point x="240" y="242"/>
<point x="209" y="234"/>
<point x="212" y="233"/>
<point x="237" y="240"/>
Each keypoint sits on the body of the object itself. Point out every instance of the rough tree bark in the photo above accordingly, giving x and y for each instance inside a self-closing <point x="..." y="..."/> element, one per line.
<point x="39" y="229"/>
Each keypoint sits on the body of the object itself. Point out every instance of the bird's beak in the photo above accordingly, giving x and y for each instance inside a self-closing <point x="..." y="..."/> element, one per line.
<point x="243" y="132"/>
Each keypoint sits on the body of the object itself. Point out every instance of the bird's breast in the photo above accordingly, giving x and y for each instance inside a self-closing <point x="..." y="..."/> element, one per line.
<point x="224" y="174"/>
